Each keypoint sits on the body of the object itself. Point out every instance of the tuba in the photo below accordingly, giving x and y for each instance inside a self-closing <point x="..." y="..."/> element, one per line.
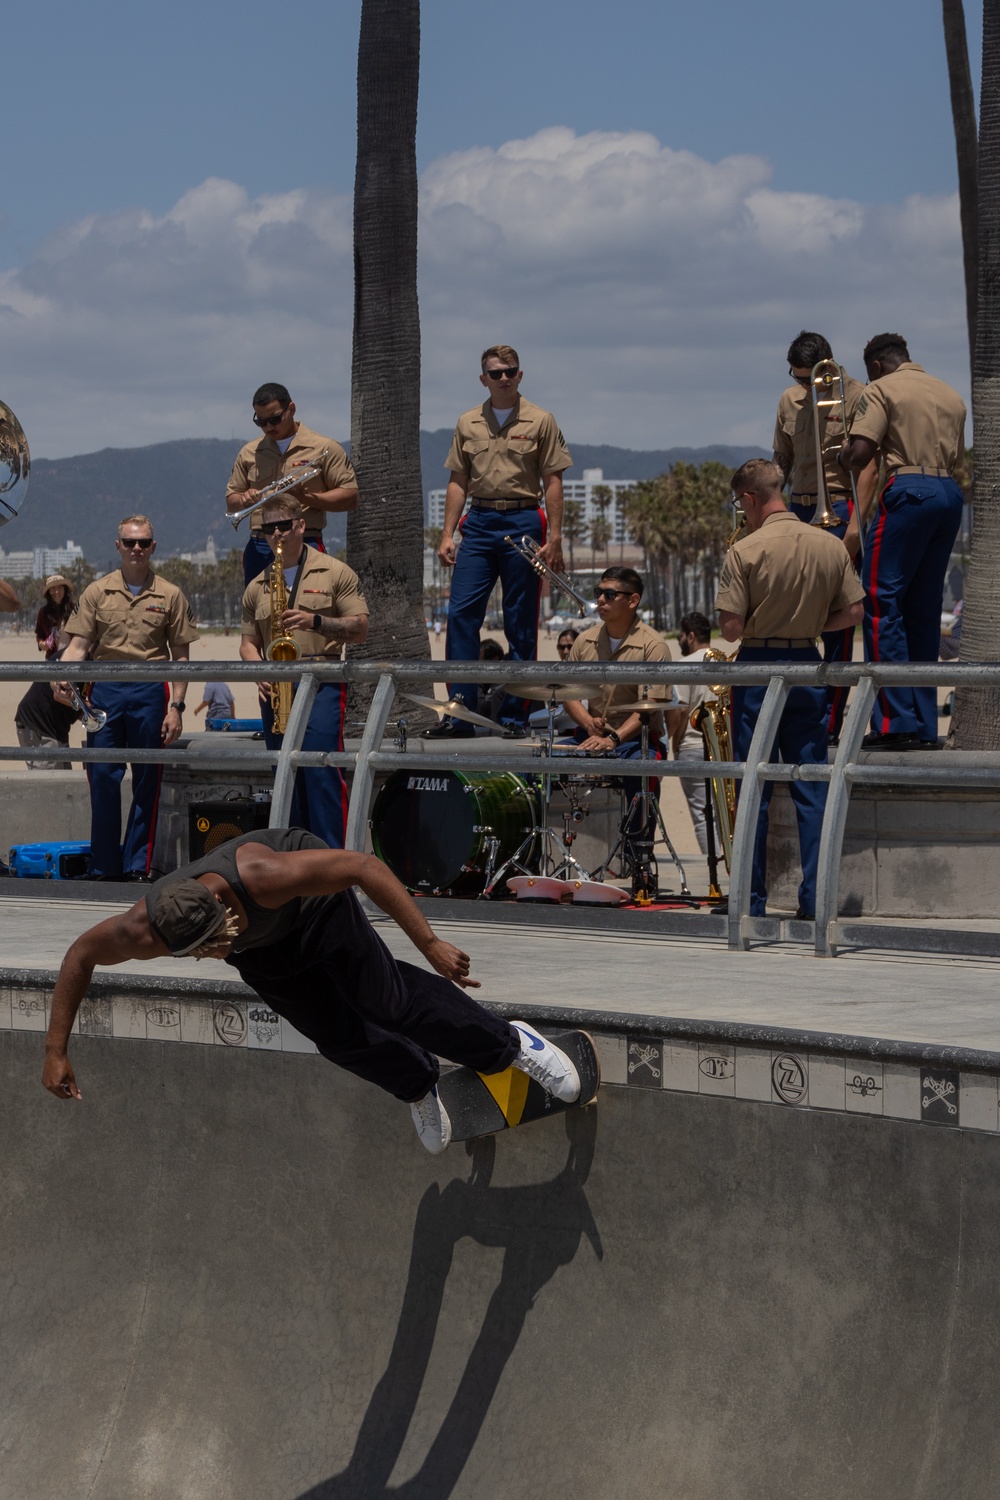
<point x="281" y="646"/>
<point x="15" y="465"/>
<point x="714" y="723"/>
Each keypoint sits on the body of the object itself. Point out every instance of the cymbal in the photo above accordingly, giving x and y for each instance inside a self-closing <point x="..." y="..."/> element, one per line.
<point x="641" y="706"/>
<point x="9" y="601"/>
<point x="546" y="692"/>
<point x="453" y="709"/>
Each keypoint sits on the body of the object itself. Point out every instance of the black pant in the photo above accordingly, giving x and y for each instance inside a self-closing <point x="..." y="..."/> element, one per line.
<point x="335" y="980"/>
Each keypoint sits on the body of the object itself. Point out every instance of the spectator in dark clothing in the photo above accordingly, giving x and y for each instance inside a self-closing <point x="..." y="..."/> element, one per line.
<point x="42" y="720"/>
<point x="57" y="606"/>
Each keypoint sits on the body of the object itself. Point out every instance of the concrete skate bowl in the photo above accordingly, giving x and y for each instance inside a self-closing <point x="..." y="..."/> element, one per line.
<point x="233" y="1275"/>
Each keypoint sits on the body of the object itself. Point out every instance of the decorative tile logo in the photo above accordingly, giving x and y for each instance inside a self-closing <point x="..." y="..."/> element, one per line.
<point x="939" y="1096"/>
<point x="166" y="1017"/>
<point x="264" y="1023"/>
<point x="716" y="1067"/>
<point x="645" y="1063"/>
<point x="790" y="1078"/>
<point x="864" y="1085"/>
<point x="230" y="1023"/>
<point x="95" y="1018"/>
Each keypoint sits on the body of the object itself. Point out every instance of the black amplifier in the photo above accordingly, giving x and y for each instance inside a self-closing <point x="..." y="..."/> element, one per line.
<point x="213" y="823"/>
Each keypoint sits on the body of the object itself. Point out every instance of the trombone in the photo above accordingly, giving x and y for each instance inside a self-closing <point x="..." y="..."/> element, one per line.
<point x="532" y="554"/>
<point x="278" y="487"/>
<point x="826" y="388"/>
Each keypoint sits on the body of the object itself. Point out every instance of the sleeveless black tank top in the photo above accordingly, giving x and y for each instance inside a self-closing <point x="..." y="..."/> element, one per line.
<point x="265" y="924"/>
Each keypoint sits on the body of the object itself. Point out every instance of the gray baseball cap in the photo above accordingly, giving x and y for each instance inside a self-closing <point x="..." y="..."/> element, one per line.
<point x="185" y="914"/>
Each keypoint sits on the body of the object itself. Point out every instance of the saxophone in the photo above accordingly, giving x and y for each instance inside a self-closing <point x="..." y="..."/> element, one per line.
<point x="714" y="723"/>
<point x="281" y="646"/>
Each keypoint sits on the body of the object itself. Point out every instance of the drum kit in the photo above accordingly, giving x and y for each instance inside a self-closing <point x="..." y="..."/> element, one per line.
<point x="463" y="833"/>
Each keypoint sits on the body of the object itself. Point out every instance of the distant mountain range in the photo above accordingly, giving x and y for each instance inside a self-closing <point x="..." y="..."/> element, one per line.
<point x="181" y="486"/>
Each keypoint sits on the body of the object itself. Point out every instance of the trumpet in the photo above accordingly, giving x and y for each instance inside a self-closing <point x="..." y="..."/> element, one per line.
<point x="93" y="718"/>
<point x="278" y="487"/>
<point x="532" y="554"/>
<point x="826" y="388"/>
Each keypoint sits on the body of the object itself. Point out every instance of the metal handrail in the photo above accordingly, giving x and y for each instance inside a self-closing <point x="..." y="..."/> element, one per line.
<point x="371" y="758"/>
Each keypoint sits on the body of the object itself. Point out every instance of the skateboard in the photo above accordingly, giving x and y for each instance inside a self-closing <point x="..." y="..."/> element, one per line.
<point x="485" y="1103"/>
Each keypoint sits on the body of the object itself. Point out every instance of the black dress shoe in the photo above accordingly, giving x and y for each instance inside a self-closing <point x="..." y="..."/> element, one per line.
<point x="722" y="910"/>
<point x="514" y="732"/>
<point x="889" y="742"/>
<point x="802" y="915"/>
<point x="138" y="875"/>
<point x="930" y="744"/>
<point x="449" y="729"/>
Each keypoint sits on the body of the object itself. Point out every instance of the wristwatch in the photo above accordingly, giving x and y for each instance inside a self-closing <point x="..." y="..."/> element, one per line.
<point x="179" y="705"/>
<point x="610" y="734"/>
<point x="317" y="622"/>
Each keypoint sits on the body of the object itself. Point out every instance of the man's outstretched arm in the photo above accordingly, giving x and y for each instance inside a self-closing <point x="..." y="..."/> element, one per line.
<point x="110" y="942"/>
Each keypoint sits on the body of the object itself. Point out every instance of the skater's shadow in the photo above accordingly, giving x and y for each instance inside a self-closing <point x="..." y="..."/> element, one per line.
<point x="539" y="1229"/>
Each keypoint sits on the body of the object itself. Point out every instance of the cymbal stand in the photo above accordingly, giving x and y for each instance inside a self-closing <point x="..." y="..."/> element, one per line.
<point x="636" y="849"/>
<point x="540" y="832"/>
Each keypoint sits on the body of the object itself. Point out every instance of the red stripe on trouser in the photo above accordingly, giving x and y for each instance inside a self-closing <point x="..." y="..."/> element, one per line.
<point x="875" y="552"/>
<point x="343" y="778"/>
<point x="155" y="813"/>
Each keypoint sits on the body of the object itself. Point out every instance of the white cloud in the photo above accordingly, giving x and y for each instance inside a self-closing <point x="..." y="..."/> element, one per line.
<point x="650" y="293"/>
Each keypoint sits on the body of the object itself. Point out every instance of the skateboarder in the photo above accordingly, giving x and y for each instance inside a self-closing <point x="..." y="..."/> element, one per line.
<point x="277" y="904"/>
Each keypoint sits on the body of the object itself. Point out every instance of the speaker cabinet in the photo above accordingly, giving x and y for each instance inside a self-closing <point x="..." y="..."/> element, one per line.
<point x="213" y="823"/>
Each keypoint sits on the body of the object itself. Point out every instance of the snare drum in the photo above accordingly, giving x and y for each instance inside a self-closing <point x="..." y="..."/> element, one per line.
<point x="434" y="829"/>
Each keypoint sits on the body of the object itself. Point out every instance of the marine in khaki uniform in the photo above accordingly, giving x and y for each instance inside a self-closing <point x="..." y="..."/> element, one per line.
<point x="326" y="611"/>
<point x="504" y="456"/>
<point x="287" y="445"/>
<point x="130" y="615"/>
<point x="918" y="424"/>
<point x="622" y="638"/>
<point x="781" y="586"/>
<point x="795" y="454"/>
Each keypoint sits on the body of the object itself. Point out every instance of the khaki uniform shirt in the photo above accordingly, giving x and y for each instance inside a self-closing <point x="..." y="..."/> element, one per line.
<point x="120" y="626"/>
<point x="508" y="462"/>
<point x="915" y="419"/>
<point x="641" y="644"/>
<point x="786" y="578"/>
<point x="795" y="441"/>
<point x="260" y="462"/>
<point x="324" y="587"/>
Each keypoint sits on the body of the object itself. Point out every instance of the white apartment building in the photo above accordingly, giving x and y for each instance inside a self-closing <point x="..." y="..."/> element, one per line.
<point x="39" y="562"/>
<point x="573" y="489"/>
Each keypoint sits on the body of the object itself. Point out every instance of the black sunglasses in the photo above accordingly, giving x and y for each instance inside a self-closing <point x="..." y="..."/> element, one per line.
<point x="270" y="421"/>
<point x="495" y="374"/>
<point x="270" y="527"/>
<point x="611" y="594"/>
<point x="136" y="541"/>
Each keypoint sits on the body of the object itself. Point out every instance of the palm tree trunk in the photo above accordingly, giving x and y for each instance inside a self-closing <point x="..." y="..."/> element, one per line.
<point x="977" y="710"/>
<point x="385" y="533"/>
<point x="963" y="113"/>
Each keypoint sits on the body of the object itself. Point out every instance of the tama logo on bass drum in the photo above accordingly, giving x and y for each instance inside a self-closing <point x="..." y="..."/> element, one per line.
<point x="427" y="784"/>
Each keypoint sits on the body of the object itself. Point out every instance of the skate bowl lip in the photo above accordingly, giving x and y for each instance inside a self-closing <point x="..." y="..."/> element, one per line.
<point x="586" y="1018"/>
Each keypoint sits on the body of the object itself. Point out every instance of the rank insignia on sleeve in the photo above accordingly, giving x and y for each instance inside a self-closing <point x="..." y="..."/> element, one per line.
<point x="861" y="407"/>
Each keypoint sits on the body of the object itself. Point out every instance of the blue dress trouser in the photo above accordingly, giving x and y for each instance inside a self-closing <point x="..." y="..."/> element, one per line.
<point x="319" y="801"/>
<point x="838" y="645"/>
<point x="483" y="558"/>
<point x="135" y="711"/>
<point x="906" y="560"/>
<point x="801" y="738"/>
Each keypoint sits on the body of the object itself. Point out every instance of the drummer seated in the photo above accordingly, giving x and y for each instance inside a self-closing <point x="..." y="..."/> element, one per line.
<point x="620" y="638"/>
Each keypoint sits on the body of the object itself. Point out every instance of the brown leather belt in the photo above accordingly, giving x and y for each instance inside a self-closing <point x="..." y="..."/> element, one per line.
<point x="919" y="469"/>
<point x="478" y="504"/>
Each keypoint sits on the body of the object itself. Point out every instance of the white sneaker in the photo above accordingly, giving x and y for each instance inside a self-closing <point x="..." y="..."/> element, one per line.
<point x="432" y="1122"/>
<point x="546" y="1064"/>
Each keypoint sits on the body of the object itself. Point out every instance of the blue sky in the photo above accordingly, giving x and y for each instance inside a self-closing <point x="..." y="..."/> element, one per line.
<point x="115" y="115"/>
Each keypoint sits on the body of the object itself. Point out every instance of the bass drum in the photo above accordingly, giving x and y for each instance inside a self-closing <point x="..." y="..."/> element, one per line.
<point x="434" y="829"/>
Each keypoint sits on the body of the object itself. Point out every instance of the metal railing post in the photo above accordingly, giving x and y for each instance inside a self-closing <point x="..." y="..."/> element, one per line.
<point x="364" y="776"/>
<point x="831" y="842"/>
<point x="748" y="809"/>
<point x="291" y="740"/>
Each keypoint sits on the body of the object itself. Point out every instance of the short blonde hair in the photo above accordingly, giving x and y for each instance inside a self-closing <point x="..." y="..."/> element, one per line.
<point x="283" y="507"/>
<point x="501" y="351"/>
<point x="135" y="521"/>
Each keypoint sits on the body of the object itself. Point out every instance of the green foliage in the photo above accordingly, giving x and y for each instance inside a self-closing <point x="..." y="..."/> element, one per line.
<point x="682" y="521"/>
